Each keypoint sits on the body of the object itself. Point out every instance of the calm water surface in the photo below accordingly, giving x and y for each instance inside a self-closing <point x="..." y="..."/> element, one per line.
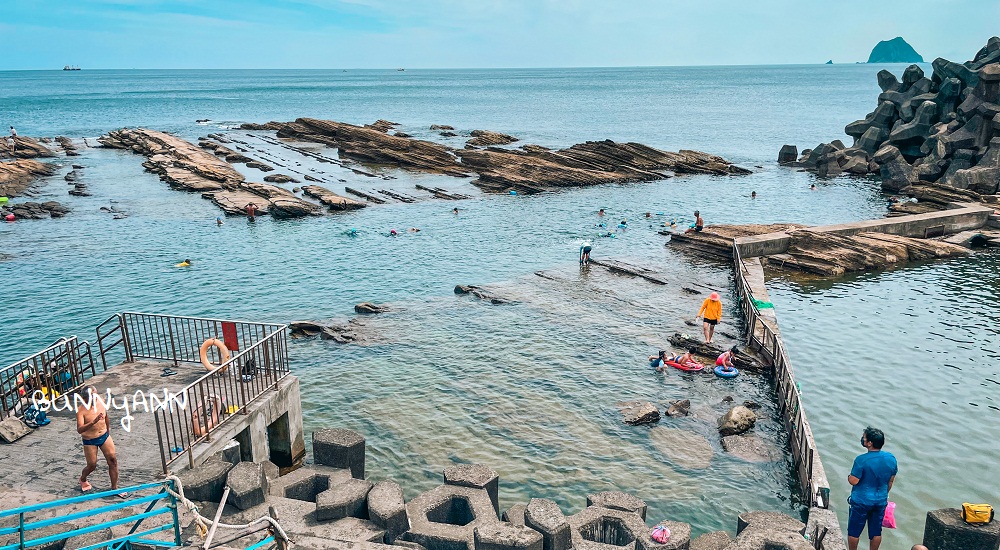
<point x="529" y="388"/>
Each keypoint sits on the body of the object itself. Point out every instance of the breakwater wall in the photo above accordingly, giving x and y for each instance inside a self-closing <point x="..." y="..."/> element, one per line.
<point x="762" y="335"/>
<point x="961" y="217"/>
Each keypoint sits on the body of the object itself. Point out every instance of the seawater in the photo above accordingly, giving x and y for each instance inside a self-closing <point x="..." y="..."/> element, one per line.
<point x="529" y="388"/>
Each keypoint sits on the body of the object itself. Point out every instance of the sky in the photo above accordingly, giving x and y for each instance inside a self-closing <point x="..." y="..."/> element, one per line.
<point x="334" y="34"/>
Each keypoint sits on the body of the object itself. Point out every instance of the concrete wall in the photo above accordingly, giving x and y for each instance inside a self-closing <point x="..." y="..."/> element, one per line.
<point x="819" y="518"/>
<point x="961" y="217"/>
<point x="266" y="410"/>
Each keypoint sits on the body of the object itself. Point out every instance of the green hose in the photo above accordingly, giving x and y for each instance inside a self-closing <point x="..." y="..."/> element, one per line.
<point x="762" y="304"/>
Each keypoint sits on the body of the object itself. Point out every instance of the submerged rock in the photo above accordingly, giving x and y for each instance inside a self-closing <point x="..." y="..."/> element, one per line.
<point x="684" y="448"/>
<point x="639" y="412"/>
<point x="738" y="420"/>
<point x="368" y="307"/>
<point x="679" y="408"/>
<point x="480" y="293"/>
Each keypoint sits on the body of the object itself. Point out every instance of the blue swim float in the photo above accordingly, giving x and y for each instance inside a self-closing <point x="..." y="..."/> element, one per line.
<point x="731" y="373"/>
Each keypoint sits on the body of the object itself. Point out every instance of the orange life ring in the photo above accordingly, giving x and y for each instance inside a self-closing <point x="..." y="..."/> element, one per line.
<point x="204" y="352"/>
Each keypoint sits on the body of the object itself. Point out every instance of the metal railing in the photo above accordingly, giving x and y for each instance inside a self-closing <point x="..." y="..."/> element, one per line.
<point x="56" y="370"/>
<point x="158" y="501"/>
<point x="219" y="394"/>
<point x="258" y="362"/>
<point x="815" y="490"/>
<point x="175" y="338"/>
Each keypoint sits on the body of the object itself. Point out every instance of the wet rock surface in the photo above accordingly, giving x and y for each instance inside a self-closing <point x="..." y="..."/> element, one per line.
<point x="738" y="420"/>
<point x="481" y="293"/>
<point x="189" y="167"/>
<point x="35" y="210"/>
<point x="639" y="412"/>
<point x="530" y="169"/>
<point x="18" y="176"/>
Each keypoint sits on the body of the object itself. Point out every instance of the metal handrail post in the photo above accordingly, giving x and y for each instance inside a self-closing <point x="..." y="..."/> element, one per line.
<point x="173" y="513"/>
<point x="163" y="458"/>
<point x="125" y="338"/>
<point x="20" y="530"/>
<point x="173" y="346"/>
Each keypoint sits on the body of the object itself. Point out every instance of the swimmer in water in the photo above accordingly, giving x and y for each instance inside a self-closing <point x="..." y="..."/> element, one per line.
<point x="185" y="263"/>
<point x="392" y="233"/>
<point x="648" y="215"/>
<point x="352" y="232"/>
<point x="454" y="210"/>
<point x="812" y="187"/>
<point x="600" y="212"/>
<point x="218" y="220"/>
<point x="413" y="230"/>
<point x="753" y="194"/>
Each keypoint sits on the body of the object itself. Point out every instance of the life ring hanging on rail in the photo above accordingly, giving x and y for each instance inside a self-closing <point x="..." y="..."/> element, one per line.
<point x="223" y="350"/>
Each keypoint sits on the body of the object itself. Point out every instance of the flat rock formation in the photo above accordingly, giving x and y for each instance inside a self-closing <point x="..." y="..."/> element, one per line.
<point x="35" y="210"/>
<point x="485" y="138"/>
<point x="199" y="168"/>
<point x="481" y="293"/>
<point x="896" y="50"/>
<point x="17" y="176"/>
<point x="717" y="240"/>
<point x="67" y="146"/>
<point x="829" y="254"/>
<point x="369" y="145"/>
<point x="944" y="129"/>
<point x="530" y="169"/>
<point x="332" y="200"/>
<point x="27" y="148"/>
<point x="585" y="164"/>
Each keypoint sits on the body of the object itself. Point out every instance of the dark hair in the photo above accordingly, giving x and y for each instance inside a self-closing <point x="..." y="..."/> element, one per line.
<point x="662" y="353"/>
<point x="692" y="350"/>
<point x="697" y="213"/>
<point x="734" y="350"/>
<point x="875" y="437"/>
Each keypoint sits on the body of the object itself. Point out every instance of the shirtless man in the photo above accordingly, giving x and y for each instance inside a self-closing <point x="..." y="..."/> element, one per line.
<point x="94" y="427"/>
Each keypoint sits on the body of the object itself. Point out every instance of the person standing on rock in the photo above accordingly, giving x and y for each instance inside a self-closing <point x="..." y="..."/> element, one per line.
<point x="13" y="132"/>
<point x="710" y="314"/>
<point x="11" y="144"/>
<point x="871" y="478"/>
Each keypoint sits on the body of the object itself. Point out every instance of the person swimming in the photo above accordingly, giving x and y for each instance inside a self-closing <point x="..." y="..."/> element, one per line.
<point x="600" y="212"/>
<point x="454" y="210"/>
<point x="657" y="361"/>
<point x="352" y="232"/>
<point x="392" y="233"/>
<point x="185" y="263"/>
<point x="218" y="220"/>
<point x="413" y="230"/>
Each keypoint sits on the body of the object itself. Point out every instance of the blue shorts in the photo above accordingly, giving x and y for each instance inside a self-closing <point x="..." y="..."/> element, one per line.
<point x="97" y="441"/>
<point x="861" y="514"/>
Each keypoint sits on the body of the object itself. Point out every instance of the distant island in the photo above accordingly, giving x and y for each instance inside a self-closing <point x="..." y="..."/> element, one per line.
<point x="894" y="51"/>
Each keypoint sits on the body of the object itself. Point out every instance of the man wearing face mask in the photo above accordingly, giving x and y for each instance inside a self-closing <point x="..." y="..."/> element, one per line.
<point x="871" y="478"/>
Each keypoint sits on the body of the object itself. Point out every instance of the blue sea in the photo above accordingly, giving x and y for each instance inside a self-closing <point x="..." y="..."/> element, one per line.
<point x="530" y="388"/>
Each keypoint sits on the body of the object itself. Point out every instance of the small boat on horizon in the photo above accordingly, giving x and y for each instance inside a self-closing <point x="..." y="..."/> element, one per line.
<point x="400" y="69"/>
<point x="71" y="68"/>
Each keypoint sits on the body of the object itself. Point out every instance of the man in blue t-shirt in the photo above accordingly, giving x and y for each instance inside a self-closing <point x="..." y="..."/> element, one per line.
<point x="871" y="476"/>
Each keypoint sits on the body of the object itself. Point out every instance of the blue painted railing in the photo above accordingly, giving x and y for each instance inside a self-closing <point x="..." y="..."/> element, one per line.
<point x="160" y="511"/>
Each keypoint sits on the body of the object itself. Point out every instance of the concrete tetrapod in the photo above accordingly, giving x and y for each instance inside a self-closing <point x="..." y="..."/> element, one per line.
<point x="617" y="500"/>
<point x="445" y="517"/>
<point x="502" y="536"/>
<point x="945" y="530"/>
<point x="247" y="485"/>
<point x="543" y="515"/>
<point x="340" y="448"/>
<point x="387" y="509"/>
<point x="307" y="482"/>
<point x="345" y="500"/>
<point x="475" y="476"/>
<point x="596" y="527"/>
<point x="680" y="537"/>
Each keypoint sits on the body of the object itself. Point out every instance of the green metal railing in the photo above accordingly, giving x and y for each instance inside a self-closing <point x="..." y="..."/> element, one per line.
<point x="159" y="516"/>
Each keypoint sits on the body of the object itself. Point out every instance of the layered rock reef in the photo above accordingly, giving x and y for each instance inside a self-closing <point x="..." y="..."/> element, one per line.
<point x="189" y="167"/>
<point x="942" y="130"/>
<point x="530" y="169"/>
<point x="17" y="176"/>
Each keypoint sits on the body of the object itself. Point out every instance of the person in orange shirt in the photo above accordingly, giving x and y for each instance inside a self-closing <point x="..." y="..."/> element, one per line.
<point x="711" y="314"/>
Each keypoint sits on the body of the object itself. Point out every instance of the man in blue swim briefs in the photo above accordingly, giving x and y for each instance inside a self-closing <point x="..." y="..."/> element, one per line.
<point x="871" y="479"/>
<point x="94" y="427"/>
